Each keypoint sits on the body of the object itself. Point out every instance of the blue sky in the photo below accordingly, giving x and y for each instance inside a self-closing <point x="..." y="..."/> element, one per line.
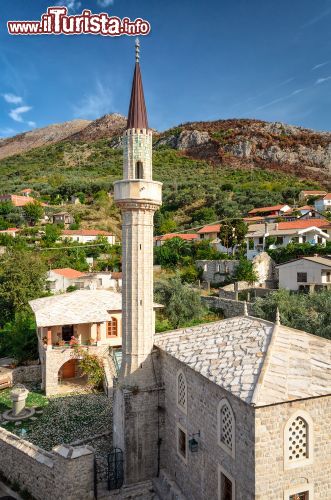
<point x="266" y="59"/>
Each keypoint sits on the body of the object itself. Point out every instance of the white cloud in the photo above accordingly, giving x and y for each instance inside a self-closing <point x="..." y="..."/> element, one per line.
<point x="95" y="104"/>
<point x="32" y="124"/>
<point x="322" y="80"/>
<point x="317" y="18"/>
<point x="12" y="99"/>
<point x="72" y="5"/>
<point x="15" y="114"/>
<point x="105" y="3"/>
<point x="297" y="91"/>
<point x="317" y="66"/>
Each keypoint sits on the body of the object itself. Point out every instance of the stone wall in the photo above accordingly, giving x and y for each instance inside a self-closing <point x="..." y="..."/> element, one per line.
<point x="272" y="479"/>
<point x="216" y="271"/>
<point x="231" y="291"/>
<point x="66" y="473"/>
<point x="229" y="307"/>
<point x="198" y="478"/>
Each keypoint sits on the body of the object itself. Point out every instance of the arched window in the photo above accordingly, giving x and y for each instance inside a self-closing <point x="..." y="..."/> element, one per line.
<point x="139" y="170"/>
<point x="181" y="391"/>
<point x="226" y="427"/>
<point x="298" y="440"/>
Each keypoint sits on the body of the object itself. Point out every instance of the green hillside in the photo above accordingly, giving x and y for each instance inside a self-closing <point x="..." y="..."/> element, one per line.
<point x="194" y="192"/>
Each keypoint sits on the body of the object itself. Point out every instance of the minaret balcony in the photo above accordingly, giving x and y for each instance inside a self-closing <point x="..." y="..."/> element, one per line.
<point x="138" y="190"/>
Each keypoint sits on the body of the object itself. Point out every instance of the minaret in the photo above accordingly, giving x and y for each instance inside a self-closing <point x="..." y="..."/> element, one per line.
<point x="138" y="196"/>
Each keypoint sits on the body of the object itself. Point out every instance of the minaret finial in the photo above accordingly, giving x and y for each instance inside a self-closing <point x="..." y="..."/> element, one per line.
<point x="277" y="322"/>
<point x="137" y="49"/>
<point x="245" y="309"/>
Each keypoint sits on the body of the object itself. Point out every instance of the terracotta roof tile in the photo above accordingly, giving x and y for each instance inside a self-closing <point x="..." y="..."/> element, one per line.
<point x="67" y="272"/>
<point x="85" y="232"/>
<point x="214" y="228"/>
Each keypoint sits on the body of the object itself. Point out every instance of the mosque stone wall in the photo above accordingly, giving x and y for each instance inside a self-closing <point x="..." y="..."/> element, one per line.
<point x="198" y="478"/>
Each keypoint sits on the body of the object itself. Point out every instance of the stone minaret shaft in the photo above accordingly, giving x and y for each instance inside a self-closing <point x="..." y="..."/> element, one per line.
<point x="138" y="197"/>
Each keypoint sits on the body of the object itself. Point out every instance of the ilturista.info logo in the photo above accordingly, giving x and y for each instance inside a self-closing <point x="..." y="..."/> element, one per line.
<point x="57" y="21"/>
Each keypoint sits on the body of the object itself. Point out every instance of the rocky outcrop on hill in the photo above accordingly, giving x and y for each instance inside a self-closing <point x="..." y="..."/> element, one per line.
<point x="40" y="137"/>
<point x="254" y="143"/>
<point x="108" y="126"/>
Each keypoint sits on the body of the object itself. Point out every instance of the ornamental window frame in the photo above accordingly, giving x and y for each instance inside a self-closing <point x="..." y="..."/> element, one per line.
<point x="230" y="451"/>
<point x="309" y="458"/>
<point x="182" y="407"/>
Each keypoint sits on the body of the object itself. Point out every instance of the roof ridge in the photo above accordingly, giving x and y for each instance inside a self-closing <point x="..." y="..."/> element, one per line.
<point x="264" y="365"/>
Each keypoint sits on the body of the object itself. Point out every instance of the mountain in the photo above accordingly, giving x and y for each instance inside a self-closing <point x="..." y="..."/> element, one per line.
<point x="238" y="143"/>
<point x="40" y="137"/>
<point x="254" y="143"/>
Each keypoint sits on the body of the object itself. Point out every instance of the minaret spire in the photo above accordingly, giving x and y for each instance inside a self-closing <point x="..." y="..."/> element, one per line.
<point x="137" y="115"/>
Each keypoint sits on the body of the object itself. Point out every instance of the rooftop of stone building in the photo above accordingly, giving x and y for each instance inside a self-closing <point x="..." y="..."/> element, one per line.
<point x="74" y="308"/>
<point x="258" y="361"/>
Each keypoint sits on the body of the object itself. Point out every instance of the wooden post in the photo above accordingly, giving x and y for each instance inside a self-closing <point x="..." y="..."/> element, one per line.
<point x="49" y="336"/>
<point x="98" y="332"/>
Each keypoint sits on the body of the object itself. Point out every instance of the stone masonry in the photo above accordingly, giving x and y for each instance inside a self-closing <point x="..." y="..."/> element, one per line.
<point x="65" y="473"/>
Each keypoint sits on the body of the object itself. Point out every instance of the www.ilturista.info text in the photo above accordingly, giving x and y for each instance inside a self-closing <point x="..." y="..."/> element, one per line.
<point x="57" y="22"/>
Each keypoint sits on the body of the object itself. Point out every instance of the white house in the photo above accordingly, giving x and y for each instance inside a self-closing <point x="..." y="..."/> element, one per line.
<point x="58" y="280"/>
<point x="87" y="235"/>
<point x="323" y="204"/>
<point x="307" y="273"/>
<point x="283" y="233"/>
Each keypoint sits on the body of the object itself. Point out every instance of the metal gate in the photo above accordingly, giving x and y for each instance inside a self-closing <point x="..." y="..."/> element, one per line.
<point x="115" y="469"/>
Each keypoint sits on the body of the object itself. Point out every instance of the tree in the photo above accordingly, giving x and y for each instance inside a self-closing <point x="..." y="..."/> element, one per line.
<point x="233" y="233"/>
<point x="52" y="234"/>
<point x="22" y="278"/>
<point x="311" y="313"/>
<point x="33" y="211"/>
<point x="172" y="252"/>
<point x="18" y="338"/>
<point x="245" y="271"/>
<point x="181" y="303"/>
<point x="91" y="366"/>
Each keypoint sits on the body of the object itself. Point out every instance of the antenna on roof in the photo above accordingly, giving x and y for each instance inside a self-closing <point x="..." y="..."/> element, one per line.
<point x="277" y="322"/>
<point x="137" y="50"/>
<point x="245" y="309"/>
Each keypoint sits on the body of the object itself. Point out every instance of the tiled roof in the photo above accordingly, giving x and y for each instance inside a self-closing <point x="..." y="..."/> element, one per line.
<point x="85" y="232"/>
<point x="74" y="308"/>
<point x="303" y="224"/>
<point x="266" y="209"/>
<point x="213" y="228"/>
<point x="318" y="259"/>
<point x="67" y="272"/>
<point x="19" y="201"/>
<point x="10" y="229"/>
<point x="327" y="196"/>
<point x="169" y="236"/>
<point x="313" y="193"/>
<point x="255" y="360"/>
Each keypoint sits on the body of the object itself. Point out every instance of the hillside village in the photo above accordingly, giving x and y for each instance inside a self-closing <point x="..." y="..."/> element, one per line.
<point x="174" y="361"/>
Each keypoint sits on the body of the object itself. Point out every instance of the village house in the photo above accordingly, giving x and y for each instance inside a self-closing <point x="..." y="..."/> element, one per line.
<point x="304" y="195"/>
<point x="87" y="235"/>
<point x="159" y="240"/>
<point x="11" y="231"/>
<point x="276" y="210"/>
<point x="283" y="233"/>
<point x="323" y="204"/>
<point x="26" y="192"/>
<point x="19" y="201"/>
<point x="58" y="280"/>
<point x="209" y="232"/>
<point x="306" y="274"/>
<point x="62" y="218"/>
<point x="90" y="318"/>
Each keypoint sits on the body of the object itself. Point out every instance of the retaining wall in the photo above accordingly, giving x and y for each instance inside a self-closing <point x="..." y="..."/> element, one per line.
<point x="66" y="473"/>
<point x="229" y="307"/>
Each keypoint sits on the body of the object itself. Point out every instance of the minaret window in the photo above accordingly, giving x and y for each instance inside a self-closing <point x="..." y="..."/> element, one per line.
<point x="139" y="170"/>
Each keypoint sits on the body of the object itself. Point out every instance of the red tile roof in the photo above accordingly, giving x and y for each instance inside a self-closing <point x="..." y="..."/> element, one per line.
<point x="303" y="224"/>
<point x="85" y="232"/>
<point x="169" y="236"/>
<point x="214" y="228"/>
<point x="306" y="207"/>
<point x="327" y="196"/>
<point x="266" y="209"/>
<point x="19" y="201"/>
<point x="67" y="272"/>
<point x="11" y="229"/>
